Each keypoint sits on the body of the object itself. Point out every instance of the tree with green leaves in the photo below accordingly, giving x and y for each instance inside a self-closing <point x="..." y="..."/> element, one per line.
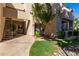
<point x="43" y="13"/>
<point x="76" y="24"/>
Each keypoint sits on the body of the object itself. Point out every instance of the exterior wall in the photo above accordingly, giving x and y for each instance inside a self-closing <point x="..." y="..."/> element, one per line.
<point x="67" y="13"/>
<point x="21" y="15"/>
<point x="18" y="6"/>
<point x="30" y="30"/>
<point x="12" y="12"/>
<point x="71" y="26"/>
<point x="51" y="27"/>
<point x="2" y="21"/>
<point x="58" y="23"/>
<point x="67" y="16"/>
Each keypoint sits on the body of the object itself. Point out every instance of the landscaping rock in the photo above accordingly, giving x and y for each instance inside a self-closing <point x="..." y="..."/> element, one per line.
<point x="71" y="51"/>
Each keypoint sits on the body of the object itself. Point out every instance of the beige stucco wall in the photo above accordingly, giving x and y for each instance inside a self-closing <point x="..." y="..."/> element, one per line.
<point x="51" y="27"/>
<point x="28" y="9"/>
<point x="21" y="15"/>
<point x="2" y="21"/>
<point x="13" y="13"/>
<point x="29" y="16"/>
<point x="16" y="5"/>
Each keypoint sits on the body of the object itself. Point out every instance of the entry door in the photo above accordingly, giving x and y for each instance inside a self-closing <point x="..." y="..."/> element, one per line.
<point x="20" y="27"/>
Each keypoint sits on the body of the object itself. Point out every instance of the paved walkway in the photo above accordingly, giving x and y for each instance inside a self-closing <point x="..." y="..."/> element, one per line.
<point x="17" y="47"/>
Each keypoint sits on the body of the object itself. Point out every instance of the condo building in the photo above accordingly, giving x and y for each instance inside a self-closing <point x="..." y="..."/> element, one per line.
<point x="63" y="20"/>
<point x="15" y="20"/>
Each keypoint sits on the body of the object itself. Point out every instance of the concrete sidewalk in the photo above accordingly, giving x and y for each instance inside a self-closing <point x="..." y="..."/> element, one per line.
<point x="17" y="47"/>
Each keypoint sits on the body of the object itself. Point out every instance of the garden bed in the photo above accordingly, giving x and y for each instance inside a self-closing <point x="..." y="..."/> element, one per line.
<point x="70" y="47"/>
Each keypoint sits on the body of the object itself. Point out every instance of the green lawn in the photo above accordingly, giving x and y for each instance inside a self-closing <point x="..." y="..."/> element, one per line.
<point x="43" y="48"/>
<point x="48" y="48"/>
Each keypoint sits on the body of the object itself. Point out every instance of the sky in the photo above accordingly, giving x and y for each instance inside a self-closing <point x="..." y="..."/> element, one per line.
<point x="75" y="7"/>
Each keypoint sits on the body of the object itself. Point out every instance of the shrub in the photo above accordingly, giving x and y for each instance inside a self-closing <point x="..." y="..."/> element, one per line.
<point x="64" y="43"/>
<point x="61" y="34"/>
<point x="69" y="33"/>
<point x="75" y="33"/>
<point x="37" y="34"/>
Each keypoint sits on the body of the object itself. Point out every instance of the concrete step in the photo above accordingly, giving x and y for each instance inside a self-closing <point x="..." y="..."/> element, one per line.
<point x="7" y="37"/>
